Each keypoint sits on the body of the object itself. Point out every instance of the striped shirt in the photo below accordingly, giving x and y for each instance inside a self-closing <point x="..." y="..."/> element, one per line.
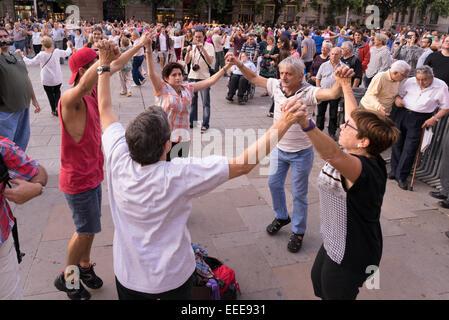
<point x="177" y="108"/>
<point x="20" y="167"/>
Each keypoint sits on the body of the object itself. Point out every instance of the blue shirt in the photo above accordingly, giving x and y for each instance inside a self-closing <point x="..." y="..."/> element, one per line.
<point x="318" y="43"/>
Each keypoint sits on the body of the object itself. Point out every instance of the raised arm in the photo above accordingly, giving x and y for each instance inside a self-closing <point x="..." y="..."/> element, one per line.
<point x="154" y="77"/>
<point x="252" y="156"/>
<point x="209" y="82"/>
<point x="335" y="91"/>
<point x="247" y="73"/>
<point x="108" y="53"/>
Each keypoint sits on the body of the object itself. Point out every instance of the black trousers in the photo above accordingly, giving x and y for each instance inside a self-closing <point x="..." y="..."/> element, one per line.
<point x="308" y="65"/>
<point x="184" y="292"/>
<point x="321" y="116"/>
<point x="37" y="48"/>
<point x="53" y="94"/>
<point x="331" y="281"/>
<point x="238" y="82"/>
<point x="404" y="151"/>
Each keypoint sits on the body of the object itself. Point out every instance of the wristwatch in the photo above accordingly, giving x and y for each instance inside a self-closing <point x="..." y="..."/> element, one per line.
<point x="102" y="69"/>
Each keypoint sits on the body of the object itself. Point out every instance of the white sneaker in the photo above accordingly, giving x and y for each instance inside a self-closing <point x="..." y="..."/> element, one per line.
<point x="134" y="85"/>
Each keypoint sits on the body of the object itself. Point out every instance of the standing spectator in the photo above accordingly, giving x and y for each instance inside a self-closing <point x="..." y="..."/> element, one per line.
<point x="218" y="41"/>
<point x="36" y="40"/>
<point x="380" y="58"/>
<point x="418" y="99"/>
<point x="308" y="50"/>
<point x="361" y="50"/>
<point x="325" y="79"/>
<point x="51" y="74"/>
<point x="16" y="92"/>
<point x="201" y="55"/>
<point x="318" y="42"/>
<point x="269" y="56"/>
<point x="186" y="42"/>
<point x="352" y="62"/>
<point x="318" y="61"/>
<point x="384" y="87"/>
<point x="162" y="47"/>
<point x="138" y="60"/>
<point x="80" y="38"/>
<point x="177" y="44"/>
<point x="409" y="51"/>
<point x="238" y="38"/>
<point x="30" y="179"/>
<point x="439" y="61"/>
<point x="125" y="72"/>
<point x="19" y="34"/>
<point x="58" y="34"/>
<point x="425" y="45"/>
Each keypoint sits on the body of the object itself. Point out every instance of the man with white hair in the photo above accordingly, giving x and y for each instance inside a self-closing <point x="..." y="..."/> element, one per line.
<point x="417" y="101"/>
<point x="325" y="79"/>
<point x="352" y="62"/>
<point x="294" y="149"/>
<point x="384" y="87"/>
<point x="218" y="42"/>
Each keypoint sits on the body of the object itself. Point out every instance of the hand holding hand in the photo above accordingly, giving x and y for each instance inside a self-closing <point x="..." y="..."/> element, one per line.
<point x="108" y="51"/>
<point x="295" y="111"/>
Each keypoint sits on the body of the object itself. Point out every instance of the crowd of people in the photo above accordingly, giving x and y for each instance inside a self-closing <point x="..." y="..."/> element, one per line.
<point x="403" y="77"/>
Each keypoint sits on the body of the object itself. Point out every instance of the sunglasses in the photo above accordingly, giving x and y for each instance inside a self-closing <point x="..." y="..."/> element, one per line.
<point x="347" y="124"/>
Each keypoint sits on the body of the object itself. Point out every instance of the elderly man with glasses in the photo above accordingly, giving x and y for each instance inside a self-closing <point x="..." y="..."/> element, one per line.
<point x="419" y="97"/>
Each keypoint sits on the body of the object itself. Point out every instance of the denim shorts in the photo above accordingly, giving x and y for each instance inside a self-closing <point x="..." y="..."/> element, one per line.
<point x="86" y="210"/>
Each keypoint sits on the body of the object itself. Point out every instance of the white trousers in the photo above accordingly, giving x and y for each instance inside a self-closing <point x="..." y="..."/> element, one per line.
<point x="10" y="283"/>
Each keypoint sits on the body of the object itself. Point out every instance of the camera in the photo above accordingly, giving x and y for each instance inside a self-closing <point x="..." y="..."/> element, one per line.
<point x="6" y="43"/>
<point x="195" y="67"/>
<point x="408" y="37"/>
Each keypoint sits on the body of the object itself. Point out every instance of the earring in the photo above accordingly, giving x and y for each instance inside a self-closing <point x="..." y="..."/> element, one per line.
<point x="359" y="145"/>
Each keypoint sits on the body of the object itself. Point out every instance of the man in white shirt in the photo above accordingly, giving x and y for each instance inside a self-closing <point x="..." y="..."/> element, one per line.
<point x="418" y="99"/>
<point x="58" y="34"/>
<point x="325" y="79"/>
<point x="219" y="42"/>
<point x="151" y="199"/>
<point x="295" y="149"/>
<point x="201" y="56"/>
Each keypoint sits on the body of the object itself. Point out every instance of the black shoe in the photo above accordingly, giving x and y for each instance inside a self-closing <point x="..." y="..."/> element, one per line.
<point x="391" y="176"/>
<point x="444" y="204"/>
<point x="73" y="294"/>
<point x="277" y="224"/>
<point x="89" y="278"/>
<point x="295" y="242"/>
<point x="229" y="99"/>
<point x="403" y="184"/>
<point x="55" y="113"/>
<point x="447" y="234"/>
<point x="191" y="126"/>
<point x="241" y="102"/>
<point x="437" y="195"/>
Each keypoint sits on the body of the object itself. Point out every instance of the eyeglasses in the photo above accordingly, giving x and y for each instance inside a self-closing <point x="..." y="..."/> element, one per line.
<point x="347" y="124"/>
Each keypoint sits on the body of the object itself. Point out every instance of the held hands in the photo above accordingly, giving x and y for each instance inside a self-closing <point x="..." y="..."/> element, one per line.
<point x="231" y="59"/>
<point x="343" y="76"/>
<point x="147" y="40"/>
<point x="383" y="110"/>
<point x="295" y="111"/>
<point x="109" y="51"/>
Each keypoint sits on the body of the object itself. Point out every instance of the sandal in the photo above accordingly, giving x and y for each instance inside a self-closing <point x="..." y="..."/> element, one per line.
<point x="295" y="242"/>
<point x="270" y="114"/>
<point x="276" y="225"/>
<point x="203" y="129"/>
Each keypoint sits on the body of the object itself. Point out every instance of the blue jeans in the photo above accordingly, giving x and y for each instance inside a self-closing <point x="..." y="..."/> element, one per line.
<point x="301" y="163"/>
<point x="205" y="97"/>
<point x="137" y="76"/>
<point x="20" y="45"/>
<point x="16" y="127"/>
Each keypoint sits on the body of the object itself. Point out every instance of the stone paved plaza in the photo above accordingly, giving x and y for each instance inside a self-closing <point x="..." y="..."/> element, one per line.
<point x="230" y="221"/>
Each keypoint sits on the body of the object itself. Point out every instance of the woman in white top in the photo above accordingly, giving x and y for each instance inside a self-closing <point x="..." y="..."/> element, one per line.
<point x="177" y="44"/>
<point x="37" y="38"/>
<point x="51" y="74"/>
<point x="80" y="39"/>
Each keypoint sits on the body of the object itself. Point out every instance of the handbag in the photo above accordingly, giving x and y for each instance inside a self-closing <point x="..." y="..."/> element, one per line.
<point x="211" y="71"/>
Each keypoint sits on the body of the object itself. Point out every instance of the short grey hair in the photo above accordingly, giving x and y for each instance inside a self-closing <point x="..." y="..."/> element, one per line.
<point x="425" y="70"/>
<point x="382" y="38"/>
<point x="327" y="44"/>
<point x="293" y="63"/>
<point x="401" y="67"/>
<point x="347" y="44"/>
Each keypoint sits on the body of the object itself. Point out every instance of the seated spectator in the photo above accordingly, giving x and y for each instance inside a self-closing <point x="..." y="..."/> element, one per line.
<point x="238" y="81"/>
<point x="384" y="87"/>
